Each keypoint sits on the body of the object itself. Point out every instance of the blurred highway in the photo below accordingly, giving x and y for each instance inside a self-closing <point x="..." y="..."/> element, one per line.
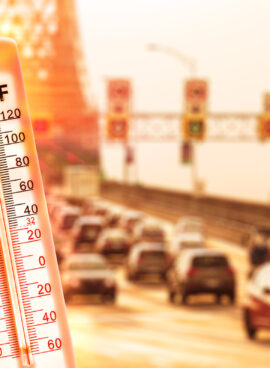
<point x="143" y="328"/>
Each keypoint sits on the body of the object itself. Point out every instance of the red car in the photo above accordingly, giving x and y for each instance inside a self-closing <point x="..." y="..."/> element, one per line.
<point x="257" y="307"/>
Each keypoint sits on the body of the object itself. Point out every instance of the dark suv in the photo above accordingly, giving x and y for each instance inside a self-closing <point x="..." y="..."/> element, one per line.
<point x="201" y="271"/>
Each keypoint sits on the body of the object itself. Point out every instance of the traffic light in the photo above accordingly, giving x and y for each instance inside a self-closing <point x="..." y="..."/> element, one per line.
<point x="42" y="126"/>
<point x="186" y="152"/>
<point x="264" y="126"/>
<point x="117" y="127"/>
<point x="194" y="127"/>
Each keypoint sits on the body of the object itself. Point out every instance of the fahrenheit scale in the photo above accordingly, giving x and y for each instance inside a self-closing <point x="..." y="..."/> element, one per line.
<point x="33" y="325"/>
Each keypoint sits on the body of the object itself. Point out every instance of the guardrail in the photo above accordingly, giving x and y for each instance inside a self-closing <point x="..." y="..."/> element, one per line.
<point x="227" y="219"/>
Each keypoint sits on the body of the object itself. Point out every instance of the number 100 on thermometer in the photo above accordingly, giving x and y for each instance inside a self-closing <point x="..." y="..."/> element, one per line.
<point x="33" y="325"/>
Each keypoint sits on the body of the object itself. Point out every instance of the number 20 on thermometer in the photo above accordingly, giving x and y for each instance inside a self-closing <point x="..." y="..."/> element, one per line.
<point x="33" y="325"/>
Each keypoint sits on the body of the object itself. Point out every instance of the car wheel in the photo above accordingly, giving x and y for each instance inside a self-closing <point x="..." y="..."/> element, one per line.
<point x="109" y="298"/>
<point x="218" y="298"/>
<point x="232" y="298"/>
<point x="67" y="296"/>
<point x="129" y="276"/>
<point x="184" y="297"/>
<point x="171" y="296"/>
<point x="250" y="330"/>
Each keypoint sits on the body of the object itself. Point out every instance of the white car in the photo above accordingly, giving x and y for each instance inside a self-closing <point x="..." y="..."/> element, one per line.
<point x="147" y="258"/>
<point x="86" y="231"/>
<point x="130" y="219"/>
<point x="66" y="218"/>
<point x="88" y="274"/>
<point x="149" y="231"/>
<point x="113" y="241"/>
<point x="186" y="241"/>
<point x="256" y="311"/>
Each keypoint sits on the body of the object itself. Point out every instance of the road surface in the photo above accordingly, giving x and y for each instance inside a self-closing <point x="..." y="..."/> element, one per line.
<point x="143" y="329"/>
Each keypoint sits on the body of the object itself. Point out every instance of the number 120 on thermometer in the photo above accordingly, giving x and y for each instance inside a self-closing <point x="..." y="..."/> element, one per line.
<point x="33" y="325"/>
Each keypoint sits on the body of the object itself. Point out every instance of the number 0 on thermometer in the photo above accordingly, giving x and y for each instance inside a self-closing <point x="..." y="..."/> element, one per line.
<point x="33" y="325"/>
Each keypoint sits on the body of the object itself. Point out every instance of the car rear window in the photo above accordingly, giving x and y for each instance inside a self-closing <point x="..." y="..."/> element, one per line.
<point x="210" y="261"/>
<point x="79" y="266"/>
<point x="152" y="255"/>
<point x="192" y="228"/>
<point x="190" y="245"/>
<point x="152" y="233"/>
<point x="132" y="222"/>
<point x="90" y="232"/>
<point x="68" y="221"/>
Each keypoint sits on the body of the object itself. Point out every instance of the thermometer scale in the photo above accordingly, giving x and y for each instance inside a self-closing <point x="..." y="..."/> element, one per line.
<point x="33" y="324"/>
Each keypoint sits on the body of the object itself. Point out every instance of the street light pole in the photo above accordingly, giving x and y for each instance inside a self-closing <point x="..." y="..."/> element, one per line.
<point x="191" y="65"/>
<point x="189" y="62"/>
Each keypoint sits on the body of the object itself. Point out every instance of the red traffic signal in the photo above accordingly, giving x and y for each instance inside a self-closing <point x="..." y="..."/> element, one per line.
<point x="41" y="125"/>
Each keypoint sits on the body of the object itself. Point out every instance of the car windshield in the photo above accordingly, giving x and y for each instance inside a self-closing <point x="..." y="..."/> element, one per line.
<point x="149" y="256"/>
<point x="68" y="221"/>
<point x="210" y="261"/>
<point x="89" y="265"/>
<point x="100" y="212"/>
<point x="152" y="232"/>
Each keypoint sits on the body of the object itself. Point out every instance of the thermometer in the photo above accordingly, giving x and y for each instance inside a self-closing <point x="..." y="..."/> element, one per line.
<point x="33" y="324"/>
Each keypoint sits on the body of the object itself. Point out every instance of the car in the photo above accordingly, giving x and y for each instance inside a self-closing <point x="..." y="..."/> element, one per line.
<point x="200" y="271"/>
<point x="184" y="241"/>
<point x="115" y="217"/>
<point x="147" y="258"/>
<point x="86" y="231"/>
<point x="256" y="311"/>
<point x="66" y="218"/>
<point x="88" y="274"/>
<point x="55" y="208"/>
<point x="113" y="241"/>
<point x="190" y="224"/>
<point x="129" y="219"/>
<point x="149" y="231"/>
<point x="259" y="247"/>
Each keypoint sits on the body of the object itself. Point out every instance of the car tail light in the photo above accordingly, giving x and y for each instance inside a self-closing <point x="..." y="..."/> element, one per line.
<point x="230" y="271"/>
<point x="192" y="272"/>
<point x="109" y="282"/>
<point x="79" y="234"/>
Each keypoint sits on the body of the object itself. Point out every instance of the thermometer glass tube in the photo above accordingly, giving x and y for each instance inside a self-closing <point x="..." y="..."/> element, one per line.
<point x="33" y="324"/>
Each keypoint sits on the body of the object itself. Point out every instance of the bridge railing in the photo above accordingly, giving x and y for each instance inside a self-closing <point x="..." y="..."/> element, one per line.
<point x="227" y="219"/>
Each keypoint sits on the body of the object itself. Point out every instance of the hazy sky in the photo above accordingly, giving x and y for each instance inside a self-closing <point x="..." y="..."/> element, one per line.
<point x="230" y="41"/>
<point x="228" y="38"/>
